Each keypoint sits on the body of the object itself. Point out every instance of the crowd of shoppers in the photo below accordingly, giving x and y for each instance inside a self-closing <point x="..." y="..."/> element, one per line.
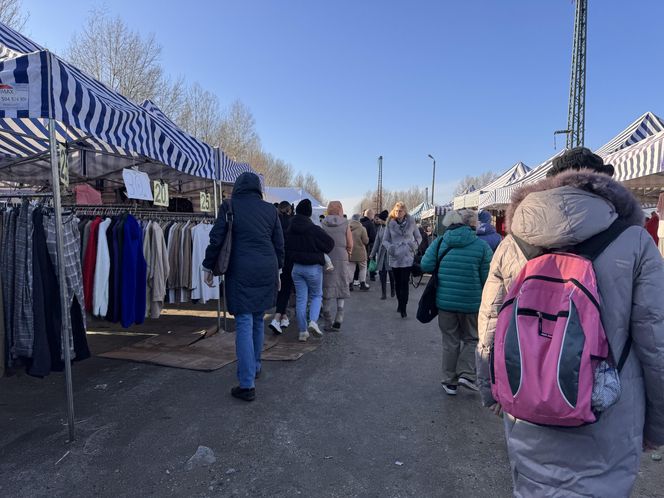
<point x="577" y="203"/>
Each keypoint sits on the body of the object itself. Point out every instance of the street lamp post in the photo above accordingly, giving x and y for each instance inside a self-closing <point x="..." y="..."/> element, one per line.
<point x="433" y="179"/>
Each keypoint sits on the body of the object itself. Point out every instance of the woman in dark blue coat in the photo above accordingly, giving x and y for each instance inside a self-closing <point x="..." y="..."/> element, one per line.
<point x="257" y="255"/>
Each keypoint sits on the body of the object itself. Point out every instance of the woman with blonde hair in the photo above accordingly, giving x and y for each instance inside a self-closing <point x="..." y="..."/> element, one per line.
<point x="335" y="281"/>
<point x="402" y="238"/>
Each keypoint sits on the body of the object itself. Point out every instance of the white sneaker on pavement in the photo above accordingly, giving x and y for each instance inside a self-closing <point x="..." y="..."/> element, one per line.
<point x="468" y="383"/>
<point x="285" y="323"/>
<point x="303" y="336"/>
<point x="313" y="328"/>
<point x="276" y="327"/>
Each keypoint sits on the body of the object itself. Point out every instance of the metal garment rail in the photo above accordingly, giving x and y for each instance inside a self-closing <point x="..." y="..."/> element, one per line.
<point x="117" y="209"/>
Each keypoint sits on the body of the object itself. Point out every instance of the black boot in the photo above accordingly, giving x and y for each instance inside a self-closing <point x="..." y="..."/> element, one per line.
<point x="383" y="289"/>
<point x="244" y="393"/>
<point x="392" y="291"/>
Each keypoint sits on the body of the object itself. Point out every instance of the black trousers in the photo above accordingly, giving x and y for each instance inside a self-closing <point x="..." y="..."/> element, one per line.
<point x="383" y="280"/>
<point x="286" y="288"/>
<point x="402" y="280"/>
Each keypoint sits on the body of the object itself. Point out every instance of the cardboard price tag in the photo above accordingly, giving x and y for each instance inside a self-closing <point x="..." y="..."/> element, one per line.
<point x="160" y="191"/>
<point x="206" y="203"/>
<point x="63" y="164"/>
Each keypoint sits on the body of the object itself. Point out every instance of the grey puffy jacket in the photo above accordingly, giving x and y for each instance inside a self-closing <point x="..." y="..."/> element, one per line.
<point x="601" y="459"/>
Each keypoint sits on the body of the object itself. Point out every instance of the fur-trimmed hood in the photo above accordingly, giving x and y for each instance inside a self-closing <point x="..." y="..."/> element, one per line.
<point x="569" y="208"/>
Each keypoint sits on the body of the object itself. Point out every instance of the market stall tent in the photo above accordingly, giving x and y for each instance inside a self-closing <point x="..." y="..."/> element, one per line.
<point x="484" y="194"/>
<point x="645" y="126"/>
<point x="294" y="195"/>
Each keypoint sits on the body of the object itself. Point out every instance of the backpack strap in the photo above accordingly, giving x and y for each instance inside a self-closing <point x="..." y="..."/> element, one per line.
<point x="529" y="251"/>
<point x="595" y="245"/>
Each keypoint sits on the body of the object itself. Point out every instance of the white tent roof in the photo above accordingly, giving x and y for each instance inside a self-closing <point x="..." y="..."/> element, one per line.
<point x="292" y="195"/>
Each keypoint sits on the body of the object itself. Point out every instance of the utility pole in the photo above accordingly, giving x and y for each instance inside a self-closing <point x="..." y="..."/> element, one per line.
<point x="379" y="190"/>
<point x="433" y="178"/>
<point x="576" y="113"/>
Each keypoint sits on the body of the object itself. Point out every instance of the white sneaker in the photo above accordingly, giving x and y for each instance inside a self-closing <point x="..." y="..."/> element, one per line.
<point x="285" y="323"/>
<point x="356" y="283"/>
<point x="313" y="328"/>
<point x="303" y="336"/>
<point x="468" y="383"/>
<point x="276" y="327"/>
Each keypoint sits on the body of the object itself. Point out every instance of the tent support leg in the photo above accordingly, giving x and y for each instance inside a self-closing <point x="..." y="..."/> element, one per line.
<point x="216" y="213"/>
<point x="62" y="277"/>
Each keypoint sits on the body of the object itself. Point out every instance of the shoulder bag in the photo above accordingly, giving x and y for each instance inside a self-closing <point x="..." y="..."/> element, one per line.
<point x="224" y="258"/>
<point x="427" y="309"/>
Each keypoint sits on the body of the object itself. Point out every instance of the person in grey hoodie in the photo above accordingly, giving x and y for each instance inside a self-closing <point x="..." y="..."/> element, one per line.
<point x="577" y="202"/>
<point x="486" y="231"/>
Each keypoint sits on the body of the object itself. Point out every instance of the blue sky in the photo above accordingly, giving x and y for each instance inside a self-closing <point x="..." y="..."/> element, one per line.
<point x="480" y="84"/>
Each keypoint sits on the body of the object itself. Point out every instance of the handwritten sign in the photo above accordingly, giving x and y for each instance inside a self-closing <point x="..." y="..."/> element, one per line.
<point x="160" y="190"/>
<point x="206" y="204"/>
<point x="137" y="184"/>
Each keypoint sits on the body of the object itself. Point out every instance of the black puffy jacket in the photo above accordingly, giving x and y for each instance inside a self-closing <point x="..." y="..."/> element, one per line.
<point x="306" y="243"/>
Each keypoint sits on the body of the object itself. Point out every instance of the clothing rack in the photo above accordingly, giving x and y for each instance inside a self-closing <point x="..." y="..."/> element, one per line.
<point x="159" y="215"/>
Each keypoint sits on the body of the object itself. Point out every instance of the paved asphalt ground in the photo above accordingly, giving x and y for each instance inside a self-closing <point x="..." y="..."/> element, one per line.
<point x="364" y="415"/>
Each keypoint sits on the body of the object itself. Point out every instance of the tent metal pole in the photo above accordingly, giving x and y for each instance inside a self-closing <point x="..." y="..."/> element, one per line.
<point x="62" y="277"/>
<point x="60" y="253"/>
<point x="216" y="213"/>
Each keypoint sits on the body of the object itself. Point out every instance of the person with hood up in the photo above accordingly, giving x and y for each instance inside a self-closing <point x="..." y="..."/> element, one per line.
<point x="402" y="238"/>
<point x="463" y="269"/>
<point x="306" y="245"/>
<point x="257" y="255"/>
<point x="379" y="253"/>
<point x="358" y="256"/>
<point x="576" y="201"/>
<point x="486" y="231"/>
<point x="335" y="282"/>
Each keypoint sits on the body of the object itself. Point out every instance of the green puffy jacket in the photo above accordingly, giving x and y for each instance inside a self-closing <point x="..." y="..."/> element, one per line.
<point x="463" y="270"/>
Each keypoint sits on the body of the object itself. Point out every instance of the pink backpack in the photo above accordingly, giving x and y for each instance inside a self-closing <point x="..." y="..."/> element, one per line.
<point x="551" y="363"/>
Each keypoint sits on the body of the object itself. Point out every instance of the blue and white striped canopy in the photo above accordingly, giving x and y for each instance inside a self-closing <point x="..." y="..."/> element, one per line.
<point x="486" y="194"/>
<point x="230" y="169"/>
<point x="641" y="131"/>
<point x="639" y="161"/>
<point x="88" y="113"/>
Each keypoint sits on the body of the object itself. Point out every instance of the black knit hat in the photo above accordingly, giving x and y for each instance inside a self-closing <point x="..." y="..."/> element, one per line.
<point x="384" y="214"/>
<point x="579" y="158"/>
<point x="304" y="208"/>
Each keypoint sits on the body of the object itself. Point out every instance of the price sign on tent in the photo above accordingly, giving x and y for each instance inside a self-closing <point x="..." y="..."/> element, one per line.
<point x="63" y="164"/>
<point x="137" y="184"/>
<point x="160" y="190"/>
<point x="206" y="203"/>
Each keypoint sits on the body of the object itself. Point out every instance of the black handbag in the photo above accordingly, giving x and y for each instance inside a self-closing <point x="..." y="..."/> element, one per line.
<point x="224" y="258"/>
<point x="427" y="309"/>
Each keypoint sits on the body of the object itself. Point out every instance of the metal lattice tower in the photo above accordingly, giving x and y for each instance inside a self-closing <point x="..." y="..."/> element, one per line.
<point x="576" y="114"/>
<point x="379" y="190"/>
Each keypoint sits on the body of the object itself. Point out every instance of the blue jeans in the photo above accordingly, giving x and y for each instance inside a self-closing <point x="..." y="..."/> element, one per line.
<point x="249" y="335"/>
<point x="308" y="280"/>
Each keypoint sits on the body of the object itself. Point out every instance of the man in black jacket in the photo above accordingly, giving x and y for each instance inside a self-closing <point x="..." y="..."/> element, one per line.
<point x="306" y="245"/>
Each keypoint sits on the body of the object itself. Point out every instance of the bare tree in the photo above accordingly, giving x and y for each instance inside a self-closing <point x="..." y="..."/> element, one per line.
<point x="411" y="197"/>
<point x="310" y="184"/>
<point x="12" y="14"/>
<point x="200" y="115"/>
<point x="475" y="182"/>
<point x="238" y="135"/>
<point x="108" y="50"/>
